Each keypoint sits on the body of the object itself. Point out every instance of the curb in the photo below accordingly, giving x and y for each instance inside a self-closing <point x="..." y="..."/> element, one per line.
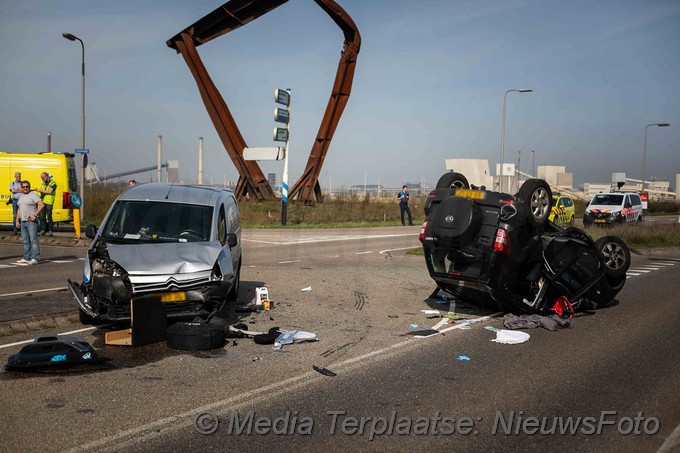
<point x="63" y="241"/>
<point x="40" y="323"/>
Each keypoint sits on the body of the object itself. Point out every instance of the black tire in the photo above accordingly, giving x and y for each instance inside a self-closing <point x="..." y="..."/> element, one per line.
<point x="453" y="180"/>
<point x="615" y="255"/>
<point x="536" y="196"/>
<point x="572" y="221"/>
<point x="640" y="219"/>
<point x="195" y="336"/>
<point x="233" y="293"/>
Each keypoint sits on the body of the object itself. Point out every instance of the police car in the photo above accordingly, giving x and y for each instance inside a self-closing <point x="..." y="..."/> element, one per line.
<point x="614" y="208"/>
<point x="563" y="211"/>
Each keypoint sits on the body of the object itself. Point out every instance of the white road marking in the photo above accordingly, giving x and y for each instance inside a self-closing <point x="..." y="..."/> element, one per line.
<point x="333" y="256"/>
<point x="60" y="261"/>
<point x="664" y="263"/>
<point x="64" y="333"/>
<point x="400" y="248"/>
<point x="630" y="274"/>
<point x="34" y="291"/>
<point x="330" y="239"/>
<point x="4" y="266"/>
<point x="288" y="262"/>
<point x="362" y="253"/>
<point x="641" y="270"/>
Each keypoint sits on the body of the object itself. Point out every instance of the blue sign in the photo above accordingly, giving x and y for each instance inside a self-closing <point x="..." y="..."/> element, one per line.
<point x="82" y="151"/>
<point x="76" y="200"/>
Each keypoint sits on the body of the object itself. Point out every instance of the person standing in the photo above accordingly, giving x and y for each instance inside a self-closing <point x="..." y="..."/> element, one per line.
<point x="132" y="183"/>
<point x="403" y="205"/>
<point x="28" y="211"/>
<point x="47" y="190"/>
<point x="15" y="189"/>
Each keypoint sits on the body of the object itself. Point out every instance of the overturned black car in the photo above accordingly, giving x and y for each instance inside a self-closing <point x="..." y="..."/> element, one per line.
<point x="492" y="247"/>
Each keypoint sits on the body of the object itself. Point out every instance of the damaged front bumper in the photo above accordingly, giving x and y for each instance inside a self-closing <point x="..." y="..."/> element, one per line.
<point x="106" y="299"/>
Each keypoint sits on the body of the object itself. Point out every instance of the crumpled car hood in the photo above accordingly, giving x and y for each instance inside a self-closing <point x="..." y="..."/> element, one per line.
<point x="165" y="258"/>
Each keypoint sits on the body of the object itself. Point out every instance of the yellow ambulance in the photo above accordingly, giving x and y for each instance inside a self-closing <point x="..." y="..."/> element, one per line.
<point x="61" y="166"/>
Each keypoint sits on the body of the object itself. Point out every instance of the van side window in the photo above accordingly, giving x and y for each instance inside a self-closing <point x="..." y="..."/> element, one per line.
<point x="635" y="199"/>
<point x="222" y="227"/>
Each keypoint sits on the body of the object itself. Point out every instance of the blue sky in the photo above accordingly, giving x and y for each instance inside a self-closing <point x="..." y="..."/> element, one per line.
<point x="429" y="85"/>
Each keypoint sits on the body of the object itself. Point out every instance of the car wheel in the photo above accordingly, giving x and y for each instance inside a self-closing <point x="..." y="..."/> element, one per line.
<point x="640" y="219"/>
<point x="453" y="180"/>
<point x="572" y="221"/>
<point x="536" y="196"/>
<point x="615" y="255"/>
<point x="233" y="293"/>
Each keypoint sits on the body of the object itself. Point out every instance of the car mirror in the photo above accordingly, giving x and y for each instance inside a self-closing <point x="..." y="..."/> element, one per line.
<point x="91" y="231"/>
<point x="232" y="240"/>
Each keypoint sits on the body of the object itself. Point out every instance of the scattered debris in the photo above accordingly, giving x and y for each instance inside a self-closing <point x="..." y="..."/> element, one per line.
<point x="324" y="371"/>
<point x="307" y="289"/>
<point x="510" y="337"/>
<point x="293" y="336"/>
<point x="552" y="322"/>
<point x="463" y="357"/>
<point x="392" y="316"/>
<point x="51" y="350"/>
<point x="255" y="359"/>
<point x="416" y="326"/>
<point x="262" y="295"/>
<point x="430" y="312"/>
<point x="453" y="316"/>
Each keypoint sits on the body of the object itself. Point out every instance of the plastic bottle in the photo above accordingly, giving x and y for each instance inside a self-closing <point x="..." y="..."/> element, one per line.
<point x="286" y="337"/>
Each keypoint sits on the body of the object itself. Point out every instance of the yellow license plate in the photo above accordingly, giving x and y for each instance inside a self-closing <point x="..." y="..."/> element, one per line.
<point x="180" y="296"/>
<point x="473" y="194"/>
<point x="600" y="220"/>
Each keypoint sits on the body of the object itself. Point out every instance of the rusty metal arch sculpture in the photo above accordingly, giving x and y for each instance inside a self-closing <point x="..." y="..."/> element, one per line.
<point x="228" y="17"/>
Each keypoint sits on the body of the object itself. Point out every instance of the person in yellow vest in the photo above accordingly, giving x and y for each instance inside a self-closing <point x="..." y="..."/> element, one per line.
<point x="47" y="191"/>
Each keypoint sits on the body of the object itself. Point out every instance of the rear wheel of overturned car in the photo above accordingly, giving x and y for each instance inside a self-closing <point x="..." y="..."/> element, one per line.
<point x="453" y="180"/>
<point x="615" y="255"/>
<point x="536" y="196"/>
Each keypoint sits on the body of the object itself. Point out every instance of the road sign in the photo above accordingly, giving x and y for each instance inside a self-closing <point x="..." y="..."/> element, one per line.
<point x="644" y="198"/>
<point x="281" y="96"/>
<point x="85" y="160"/>
<point x="280" y="134"/>
<point x="281" y="115"/>
<point x="82" y="151"/>
<point x="76" y="201"/>
<point x="263" y="153"/>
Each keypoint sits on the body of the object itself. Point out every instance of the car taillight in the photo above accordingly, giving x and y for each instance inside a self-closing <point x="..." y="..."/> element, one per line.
<point x="65" y="200"/>
<point x="421" y="236"/>
<point x="502" y="242"/>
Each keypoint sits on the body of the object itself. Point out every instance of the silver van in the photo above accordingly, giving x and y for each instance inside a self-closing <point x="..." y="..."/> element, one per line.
<point x="613" y="208"/>
<point x="180" y="243"/>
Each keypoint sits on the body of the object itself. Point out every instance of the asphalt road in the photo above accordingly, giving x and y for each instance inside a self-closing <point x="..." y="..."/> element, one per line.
<point x="613" y="364"/>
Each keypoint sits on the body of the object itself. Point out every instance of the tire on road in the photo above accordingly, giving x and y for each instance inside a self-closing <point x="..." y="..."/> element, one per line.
<point x="195" y="336"/>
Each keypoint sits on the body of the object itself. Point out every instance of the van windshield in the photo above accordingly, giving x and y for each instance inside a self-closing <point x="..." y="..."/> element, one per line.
<point x="158" y="221"/>
<point x="607" y="199"/>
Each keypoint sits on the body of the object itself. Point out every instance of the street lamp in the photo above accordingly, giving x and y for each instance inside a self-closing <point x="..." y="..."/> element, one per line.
<point x="644" y="152"/>
<point x="71" y="37"/>
<point x="505" y="97"/>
